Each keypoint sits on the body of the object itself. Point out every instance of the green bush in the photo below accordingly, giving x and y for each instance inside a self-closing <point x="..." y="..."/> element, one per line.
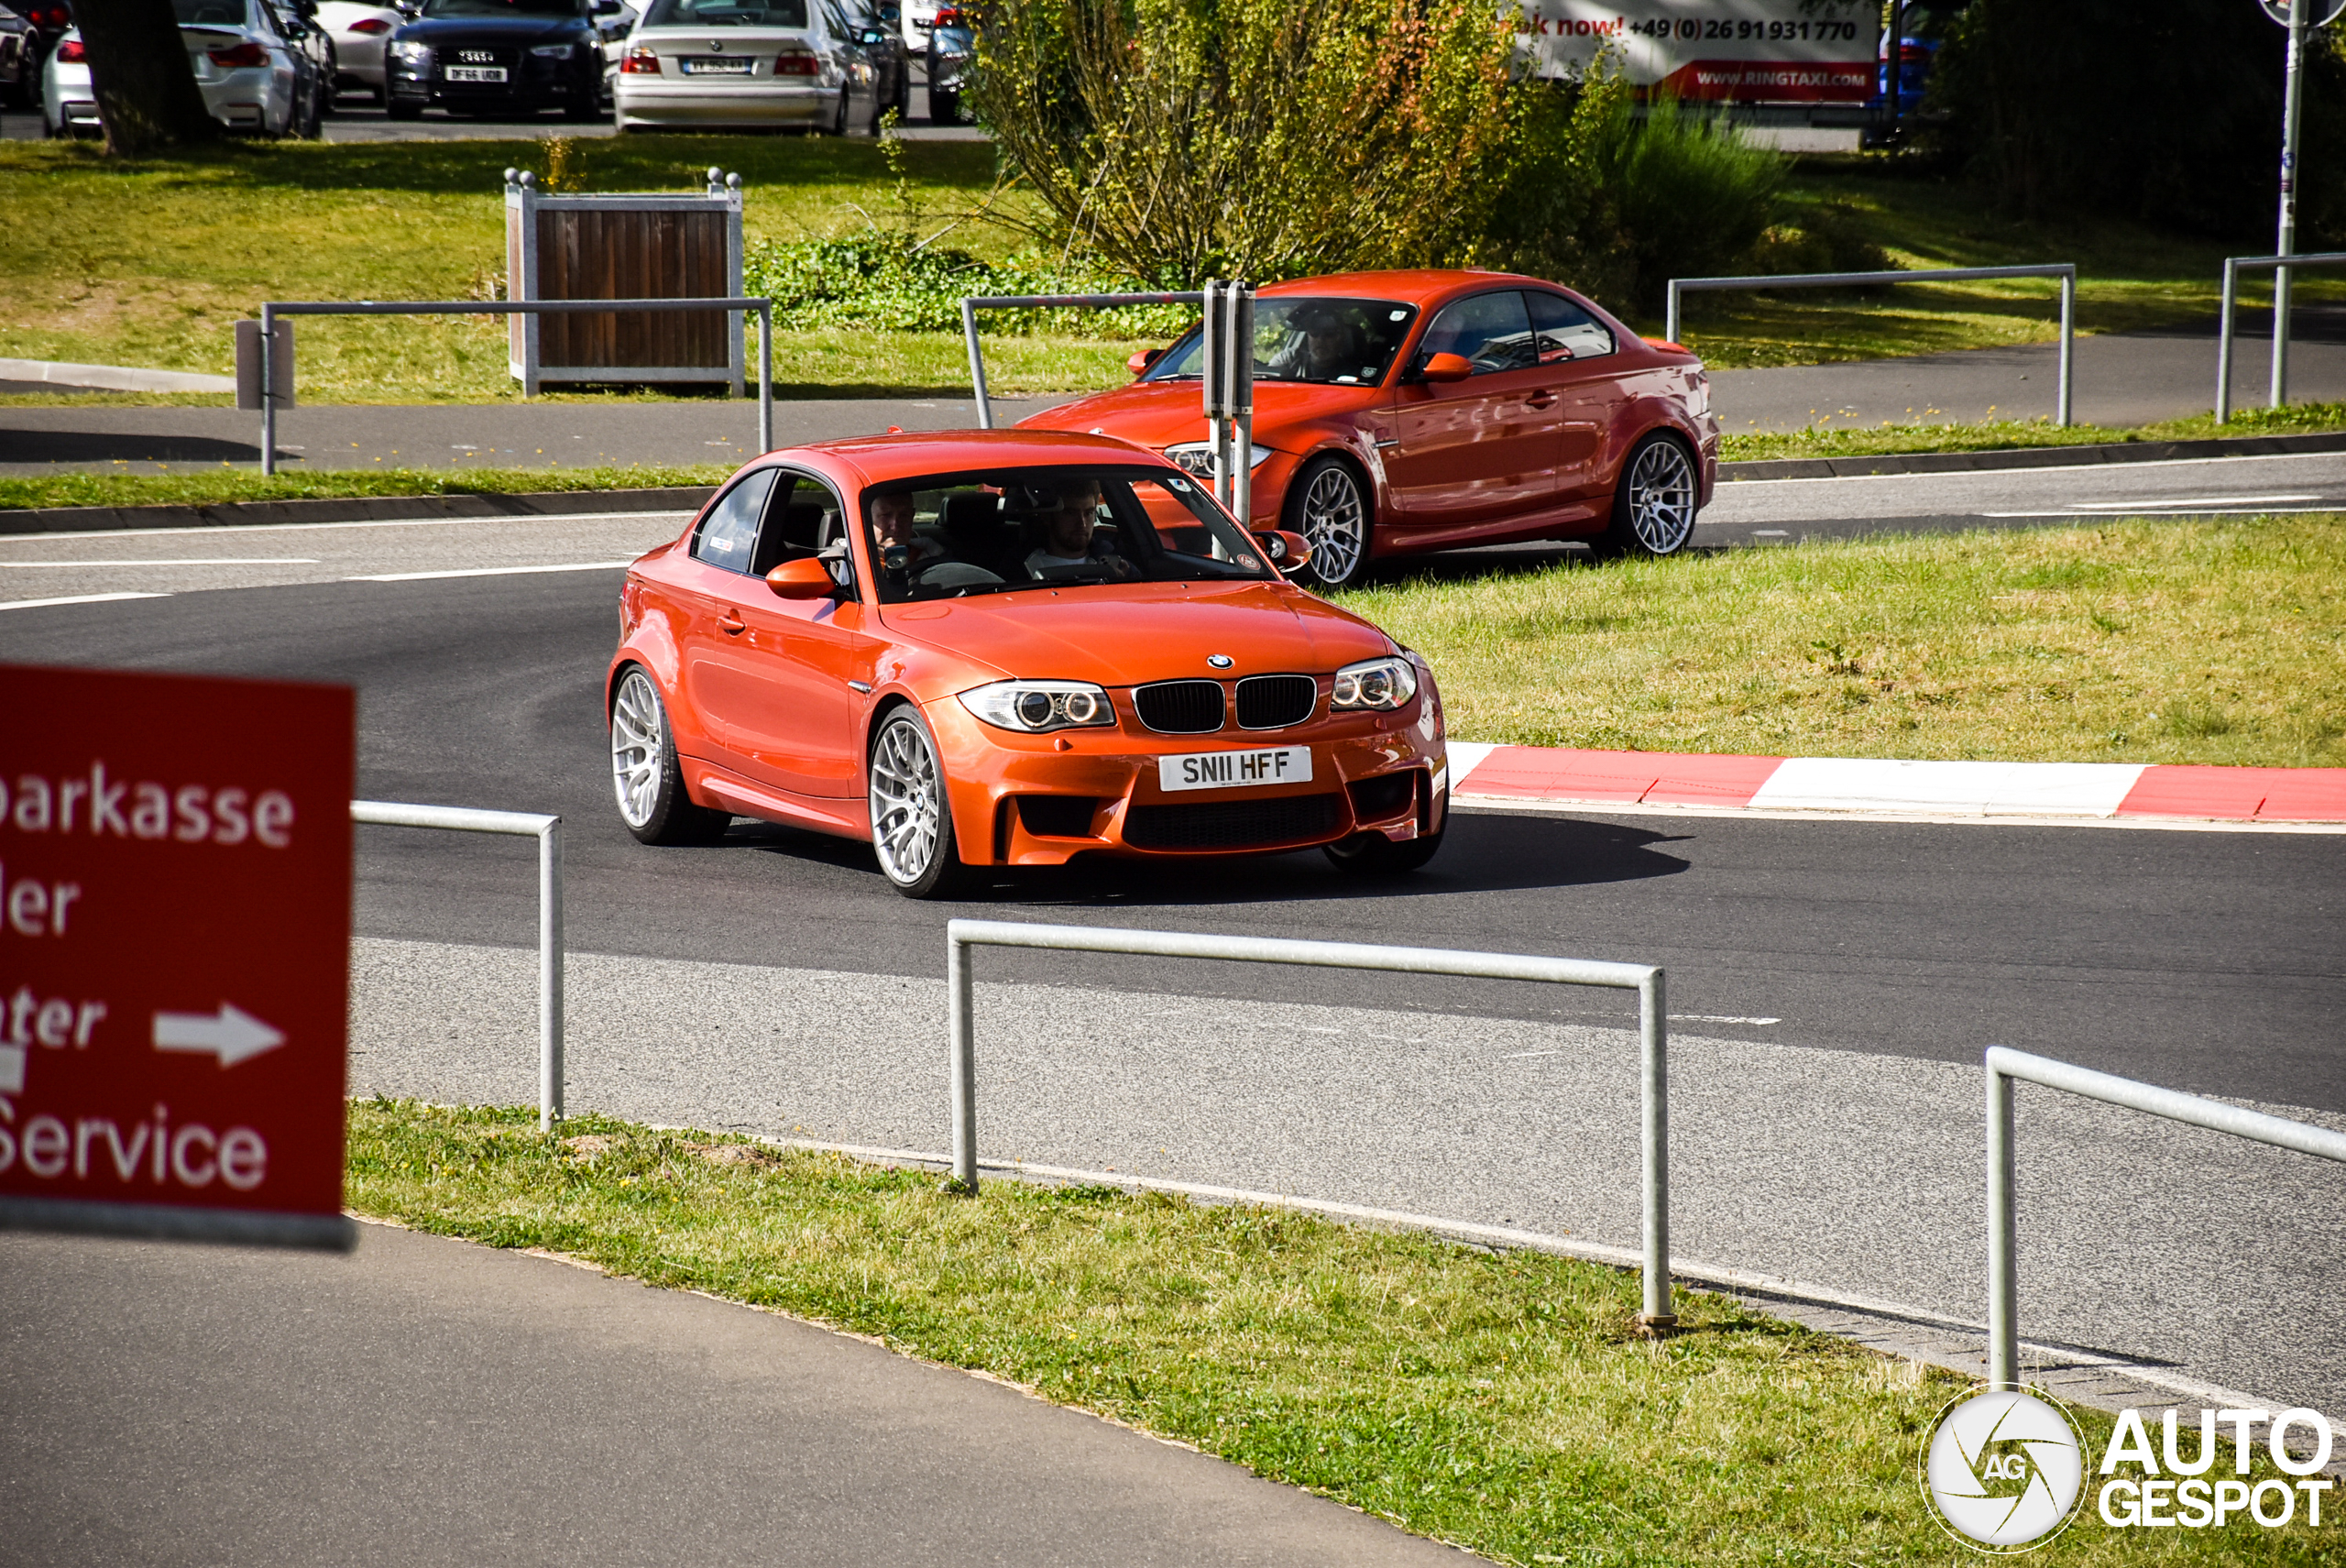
<point x="1689" y="195"/>
<point x="880" y="280"/>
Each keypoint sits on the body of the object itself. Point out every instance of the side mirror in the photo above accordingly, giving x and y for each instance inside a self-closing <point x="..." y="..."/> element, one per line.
<point x="892" y="15"/>
<point x="1288" y="552"/>
<point x="872" y="37"/>
<point x="1140" y="362"/>
<point x="805" y="578"/>
<point x="1446" y="368"/>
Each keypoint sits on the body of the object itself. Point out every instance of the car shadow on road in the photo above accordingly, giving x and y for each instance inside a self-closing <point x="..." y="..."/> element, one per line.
<point x="1482" y="854"/>
<point x="28" y="446"/>
<point x="1485" y="852"/>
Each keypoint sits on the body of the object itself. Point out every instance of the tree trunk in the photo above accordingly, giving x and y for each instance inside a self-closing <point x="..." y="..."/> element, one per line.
<point x="138" y="69"/>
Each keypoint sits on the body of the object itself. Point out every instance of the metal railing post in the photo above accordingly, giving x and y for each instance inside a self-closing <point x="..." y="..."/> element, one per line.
<point x="268" y="389"/>
<point x="961" y="1020"/>
<point x="2224" y="343"/>
<point x="977" y="364"/>
<point x="765" y="376"/>
<point x="1653" y="1070"/>
<point x="1648" y="982"/>
<point x="547" y="831"/>
<point x="550" y="1006"/>
<point x="2068" y="342"/>
<point x="1241" y="404"/>
<point x="2004" y="1065"/>
<point x="1669" y="315"/>
<point x="2003" y="1238"/>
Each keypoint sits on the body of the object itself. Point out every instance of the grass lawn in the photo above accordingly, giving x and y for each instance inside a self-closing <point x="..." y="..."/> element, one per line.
<point x="147" y="264"/>
<point x="211" y="487"/>
<point x="2159" y="641"/>
<point x="1503" y="1402"/>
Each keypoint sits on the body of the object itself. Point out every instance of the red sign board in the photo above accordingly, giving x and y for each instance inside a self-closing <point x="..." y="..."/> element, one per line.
<point x="175" y="873"/>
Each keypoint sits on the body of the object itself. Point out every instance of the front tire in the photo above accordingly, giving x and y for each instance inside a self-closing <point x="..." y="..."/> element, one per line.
<point x="1373" y="854"/>
<point x="944" y="106"/>
<point x="838" y="121"/>
<point x="912" y="821"/>
<point x="395" y="110"/>
<point x="644" y="773"/>
<point x="1653" y="505"/>
<point x="1329" y="507"/>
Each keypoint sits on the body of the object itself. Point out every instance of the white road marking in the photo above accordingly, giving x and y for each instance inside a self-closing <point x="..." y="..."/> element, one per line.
<point x="189" y="561"/>
<point x="2102" y="468"/>
<point x="491" y="572"/>
<point x="375" y="522"/>
<point x="1717" y="1018"/>
<point x="2197" y="501"/>
<point x="76" y="598"/>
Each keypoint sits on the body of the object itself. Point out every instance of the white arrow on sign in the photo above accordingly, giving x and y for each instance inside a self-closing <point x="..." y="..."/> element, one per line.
<point x="232" y="1034"/>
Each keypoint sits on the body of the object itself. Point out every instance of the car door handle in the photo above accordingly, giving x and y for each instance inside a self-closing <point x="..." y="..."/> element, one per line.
<point x="1540" y="400"/>
<point x="732" y="624"/>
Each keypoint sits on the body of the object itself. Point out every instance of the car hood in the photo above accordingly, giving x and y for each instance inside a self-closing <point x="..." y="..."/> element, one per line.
<point x="1157" y="414"/>
<point x="1122" y="636"/>
<point x="438" y="30"/>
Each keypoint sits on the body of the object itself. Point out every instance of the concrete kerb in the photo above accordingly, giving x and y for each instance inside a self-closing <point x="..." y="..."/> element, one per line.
<point x="691" y="498"/>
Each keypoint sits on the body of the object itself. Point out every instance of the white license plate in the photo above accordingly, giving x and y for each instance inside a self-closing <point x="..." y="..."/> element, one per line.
<point x="1235" y="770"/>
<point x="475" y="74"/>
<point x="709" y="65"/>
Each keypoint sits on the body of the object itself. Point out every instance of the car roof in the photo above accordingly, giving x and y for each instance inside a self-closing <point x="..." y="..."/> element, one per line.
<point x="1416" y="287"/>
<point x="909" y="454"/>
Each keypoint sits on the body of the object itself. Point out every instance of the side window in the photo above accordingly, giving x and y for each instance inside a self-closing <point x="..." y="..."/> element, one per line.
<point x="804" y="519"/>
<point x="729" y="535"/>
<point x="1491" y="331"/>
<point x="1565" y="331"/>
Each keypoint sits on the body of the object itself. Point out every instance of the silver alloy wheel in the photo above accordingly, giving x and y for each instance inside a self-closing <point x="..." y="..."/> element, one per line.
<point x="1333" y="522"/>
<point x="907" y="802"/>
<point x="638" y="750"/>
<point x="1661" y="498"/>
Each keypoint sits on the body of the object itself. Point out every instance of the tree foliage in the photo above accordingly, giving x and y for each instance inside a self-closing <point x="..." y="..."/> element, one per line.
<point x="1269" y="138"/>
<point x="2168" y="113"/>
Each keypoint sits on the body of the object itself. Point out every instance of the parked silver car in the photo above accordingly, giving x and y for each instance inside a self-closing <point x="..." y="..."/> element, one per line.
<point x="358" y="29"/>
<point x="254" y="75"/>
<point x="750" y="64"/>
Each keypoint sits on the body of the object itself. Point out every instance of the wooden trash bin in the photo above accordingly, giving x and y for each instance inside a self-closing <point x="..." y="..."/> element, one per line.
<point x="646" y="246"/>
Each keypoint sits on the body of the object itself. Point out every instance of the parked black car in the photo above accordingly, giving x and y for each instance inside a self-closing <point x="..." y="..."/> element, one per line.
<point x="297" y="21"/>
<point x="953" y="50"/>
<point x="496" y="57"/>
<point x="19" y="74"/>
<point x="46" y="21"/>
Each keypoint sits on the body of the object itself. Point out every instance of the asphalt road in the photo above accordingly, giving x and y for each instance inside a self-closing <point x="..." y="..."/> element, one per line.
<point x="1833" y="982"/>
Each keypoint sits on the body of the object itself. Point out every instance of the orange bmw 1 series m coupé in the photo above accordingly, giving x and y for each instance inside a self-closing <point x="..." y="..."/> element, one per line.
<point x="1010" y="647"/>
<point x="1397" y="412"/>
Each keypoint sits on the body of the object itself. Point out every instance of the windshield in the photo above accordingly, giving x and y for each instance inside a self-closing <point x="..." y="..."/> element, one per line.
<point x="1351" y="342"/>
<point x="504" y="7"/>
<point x="726" y="14"/>
<point x="209" y="13"/>
<point x="957" y="535"/>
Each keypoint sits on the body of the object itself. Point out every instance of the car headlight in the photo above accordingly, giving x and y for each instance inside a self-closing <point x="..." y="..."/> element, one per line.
<point x="413" y="53"/>
<point x="1036" y="708"/>
<point x="551" y="51"/>
<point x="1382" y="684"/>
<point x="1197" y="456"/>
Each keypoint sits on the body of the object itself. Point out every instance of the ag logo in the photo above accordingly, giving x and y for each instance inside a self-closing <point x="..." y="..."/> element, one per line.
<point x="2003" y="1471"/>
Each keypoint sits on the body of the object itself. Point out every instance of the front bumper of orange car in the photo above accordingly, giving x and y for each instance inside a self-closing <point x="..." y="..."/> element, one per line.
<point x="1040" y="800"/>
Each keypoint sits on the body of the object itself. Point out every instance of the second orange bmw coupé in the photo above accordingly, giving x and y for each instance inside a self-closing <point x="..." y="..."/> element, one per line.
<point x="1008" y="649"/>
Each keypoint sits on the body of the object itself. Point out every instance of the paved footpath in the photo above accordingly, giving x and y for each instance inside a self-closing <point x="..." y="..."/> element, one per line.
<point x="428" y="1402"/>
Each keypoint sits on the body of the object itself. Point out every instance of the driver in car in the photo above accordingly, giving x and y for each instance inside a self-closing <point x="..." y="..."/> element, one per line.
<point x="1326" y="352"/>
<point x="1070" y="544"/>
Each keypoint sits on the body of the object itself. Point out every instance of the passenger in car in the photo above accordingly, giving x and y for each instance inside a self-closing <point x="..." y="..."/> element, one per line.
<point x="1327" y="351"/>
<point x="892" y="523"/>
<point x="1071" y="543"/>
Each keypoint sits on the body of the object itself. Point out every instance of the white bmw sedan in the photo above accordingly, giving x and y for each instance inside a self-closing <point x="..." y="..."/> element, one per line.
<point x="243" y="61"/>
<point x="745" y="64"/>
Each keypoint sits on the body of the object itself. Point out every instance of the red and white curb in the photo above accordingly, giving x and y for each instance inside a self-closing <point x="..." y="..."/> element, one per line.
<point x="2119" y="794"/>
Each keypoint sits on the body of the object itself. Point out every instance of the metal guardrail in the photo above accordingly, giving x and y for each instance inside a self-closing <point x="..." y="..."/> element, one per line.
<point x="273" y="309"/>
<point x="1653" y="1030"/>
<point x="2066" y="271"/>
<point x="2004" y="1065"/>
<point x="2282" y="267"/>
<point x="547" y="831"/>
<point x="1229" y="378"/>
